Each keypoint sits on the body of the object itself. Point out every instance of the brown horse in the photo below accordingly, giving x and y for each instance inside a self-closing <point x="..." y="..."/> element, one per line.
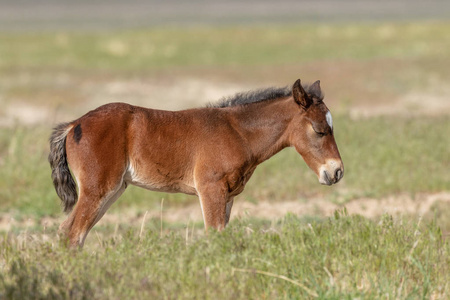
<point x="210" y="152"/>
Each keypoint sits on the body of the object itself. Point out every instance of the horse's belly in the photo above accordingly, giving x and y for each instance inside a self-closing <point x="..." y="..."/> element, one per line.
<point x="156" y="180"/>
<point x="166" y="188"/>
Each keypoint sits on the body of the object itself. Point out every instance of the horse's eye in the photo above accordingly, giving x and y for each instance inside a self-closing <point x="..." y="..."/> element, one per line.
<point x="319" y="133"/>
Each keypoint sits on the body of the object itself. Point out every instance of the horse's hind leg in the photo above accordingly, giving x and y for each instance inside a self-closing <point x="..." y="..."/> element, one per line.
<point x="89" y="209"/>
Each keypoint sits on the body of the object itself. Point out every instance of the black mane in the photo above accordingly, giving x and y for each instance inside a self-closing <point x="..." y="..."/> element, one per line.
<point x="271" y="93"/>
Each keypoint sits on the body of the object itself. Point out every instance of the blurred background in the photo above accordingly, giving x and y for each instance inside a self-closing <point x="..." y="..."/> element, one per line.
<point x="382" y="64"/>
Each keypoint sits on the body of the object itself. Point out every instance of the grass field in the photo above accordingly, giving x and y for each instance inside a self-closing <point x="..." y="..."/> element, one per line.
<point x="387" y="85"/>
<point x="337" y="258"/>
<point x="236" y="46"/>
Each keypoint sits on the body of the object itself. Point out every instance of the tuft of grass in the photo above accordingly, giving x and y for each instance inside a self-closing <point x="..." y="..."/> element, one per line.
<point x="341" y="257"/>
<point x="439" y="213"/>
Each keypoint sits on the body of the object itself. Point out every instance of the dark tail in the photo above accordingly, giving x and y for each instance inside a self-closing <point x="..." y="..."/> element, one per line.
<point x="62" y="179"/>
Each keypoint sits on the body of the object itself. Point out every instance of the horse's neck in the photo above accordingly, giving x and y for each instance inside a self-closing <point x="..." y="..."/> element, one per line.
<point x="264" y="126"/>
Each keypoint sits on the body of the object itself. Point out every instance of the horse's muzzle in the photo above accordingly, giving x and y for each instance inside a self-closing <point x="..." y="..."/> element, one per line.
<point x="331" y="172"/>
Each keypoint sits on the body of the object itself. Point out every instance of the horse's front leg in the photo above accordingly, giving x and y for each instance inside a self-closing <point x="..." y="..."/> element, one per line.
<point x="213" y="201"/>
<point x="228" y="210"/>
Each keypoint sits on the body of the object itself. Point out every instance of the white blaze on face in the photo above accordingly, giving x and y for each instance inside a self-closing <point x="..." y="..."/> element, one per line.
<point x="329" y="119"/>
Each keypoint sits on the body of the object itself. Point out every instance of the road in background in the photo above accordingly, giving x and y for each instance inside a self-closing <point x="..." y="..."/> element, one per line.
<point x="32" y="15"/>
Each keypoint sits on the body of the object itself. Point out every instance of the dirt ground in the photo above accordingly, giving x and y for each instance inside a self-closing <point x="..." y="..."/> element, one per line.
<point x="395" y="205"/>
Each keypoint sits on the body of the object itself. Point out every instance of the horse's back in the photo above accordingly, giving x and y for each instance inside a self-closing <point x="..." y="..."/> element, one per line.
<point x="167" y="148"/>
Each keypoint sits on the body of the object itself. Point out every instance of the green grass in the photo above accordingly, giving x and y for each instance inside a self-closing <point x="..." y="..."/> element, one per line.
<point x="382" y="156"/>
<point x="338" y="258"/>
<point x="155" y="49"/>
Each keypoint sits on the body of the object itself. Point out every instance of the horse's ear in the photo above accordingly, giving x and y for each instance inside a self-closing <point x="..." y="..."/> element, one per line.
<point x="315" y="88"/>
<point x="300" y="95"/>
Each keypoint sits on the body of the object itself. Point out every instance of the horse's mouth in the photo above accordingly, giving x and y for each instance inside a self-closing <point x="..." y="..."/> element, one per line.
<point x="326" y="179"/>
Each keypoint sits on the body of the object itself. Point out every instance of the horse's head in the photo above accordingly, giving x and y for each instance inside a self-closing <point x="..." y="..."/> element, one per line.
<point x="311" y="133"/>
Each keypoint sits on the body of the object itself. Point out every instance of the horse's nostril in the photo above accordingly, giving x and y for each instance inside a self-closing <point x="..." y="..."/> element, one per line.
<point x="338" y="174"/>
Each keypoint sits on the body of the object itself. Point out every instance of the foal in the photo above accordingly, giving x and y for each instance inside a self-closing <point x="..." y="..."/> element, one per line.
<point x="210" y="152"/>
